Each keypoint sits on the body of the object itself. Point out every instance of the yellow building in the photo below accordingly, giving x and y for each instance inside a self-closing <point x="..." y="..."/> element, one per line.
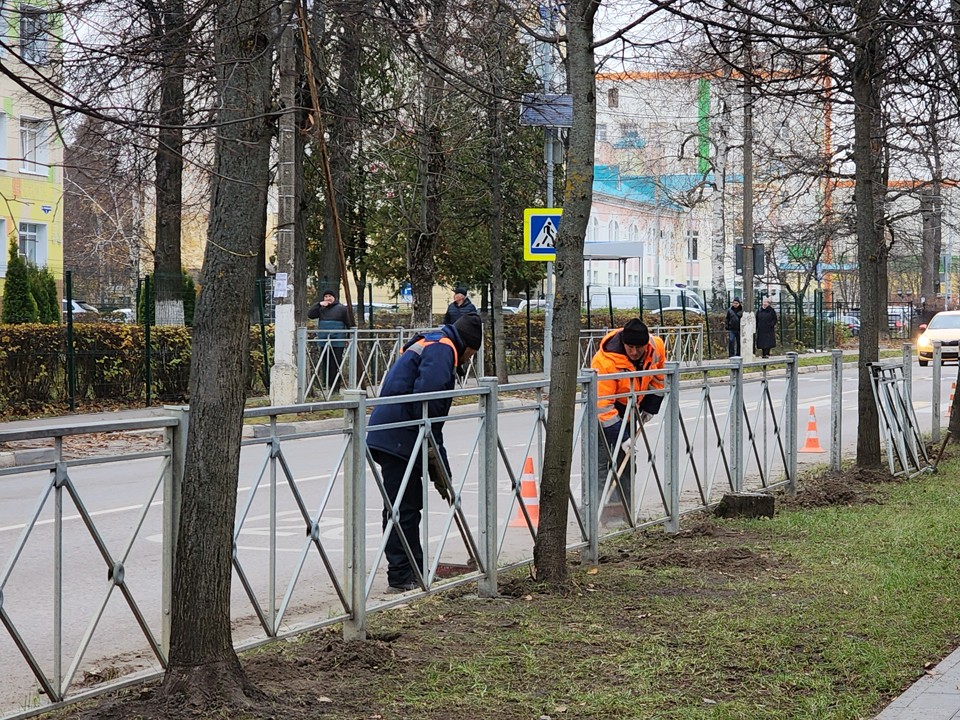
<point x="31" y="154"/>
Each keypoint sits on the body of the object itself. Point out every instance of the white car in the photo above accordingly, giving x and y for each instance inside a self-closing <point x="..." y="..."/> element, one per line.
<point x="79" y="308"/>
<point x="945" y="327"/>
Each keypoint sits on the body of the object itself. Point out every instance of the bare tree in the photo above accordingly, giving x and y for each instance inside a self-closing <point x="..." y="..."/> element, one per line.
<point x="202" y="662"/>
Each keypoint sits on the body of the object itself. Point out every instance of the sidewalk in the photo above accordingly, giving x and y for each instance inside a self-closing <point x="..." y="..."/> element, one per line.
<point x="936" y="696"/>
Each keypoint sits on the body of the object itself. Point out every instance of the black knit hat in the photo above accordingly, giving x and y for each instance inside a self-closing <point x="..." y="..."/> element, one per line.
<point x="470" y="328"/>
<point x="330" y="292"/>
<point x="635" y="333"/>
<point x="459" y="290"/>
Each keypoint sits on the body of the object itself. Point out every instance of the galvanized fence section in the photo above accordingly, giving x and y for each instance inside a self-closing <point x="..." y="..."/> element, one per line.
<point x="311" y="528"/>
<point x="329" y="361"/>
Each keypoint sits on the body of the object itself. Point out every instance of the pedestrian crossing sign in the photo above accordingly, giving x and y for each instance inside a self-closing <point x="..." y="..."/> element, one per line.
<point x="540" y="226"/>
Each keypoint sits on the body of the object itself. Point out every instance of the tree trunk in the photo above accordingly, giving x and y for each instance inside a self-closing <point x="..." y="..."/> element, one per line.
<point x="167" y="266"/>
<point x="718" y="245"/>
<point x="549" y="553"/>
<point x="867" y="145"/>
<point x="202" y="660"/>
<point x="423" y="241"/>
<point x="495" y="64"/>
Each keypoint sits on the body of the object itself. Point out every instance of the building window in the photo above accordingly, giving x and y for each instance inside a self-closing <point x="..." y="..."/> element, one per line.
<point x="33" y="146"/>
<point x="595" y="229"/>
<point x="634" y="233"/>
<point x="613" y="98"/>
<point x="34" y="38"/>
<point x="601" y="132"/>
<point x="693" y="242"/>
<point x="31" y="236"/>
<point x="614" y="229"/>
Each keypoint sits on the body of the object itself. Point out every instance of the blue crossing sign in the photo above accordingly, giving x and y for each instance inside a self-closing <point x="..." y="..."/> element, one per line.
<point x="540" y="227"/>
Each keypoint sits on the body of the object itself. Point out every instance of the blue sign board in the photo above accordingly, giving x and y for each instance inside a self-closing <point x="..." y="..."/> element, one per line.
<point x="540" y="227"/>
<point x="546" y="110"/>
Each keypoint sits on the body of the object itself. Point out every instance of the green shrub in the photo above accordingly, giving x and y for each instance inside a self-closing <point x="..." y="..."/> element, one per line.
<point x="19" y="305"/>
<point x="44" y="290"/>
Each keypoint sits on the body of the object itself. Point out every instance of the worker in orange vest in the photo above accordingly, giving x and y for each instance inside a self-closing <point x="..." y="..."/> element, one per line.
<point x="628" y="349"/>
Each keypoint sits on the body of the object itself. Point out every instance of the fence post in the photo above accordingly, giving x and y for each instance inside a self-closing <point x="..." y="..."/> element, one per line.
<point x="487" y="521"/>
<point x="355" y="354"/>
<point x="301" y="364"/>
<point x="736" y="423"/>
<point x="354" y="515"/>
<point x="671" y="447"/>
<point x="589" y="457"/>
<point x="935" y="402"/>
<point x="149" y="314"/>
<point x="176" y="437"/>
<point x="908" y="375"/>
<point x="836" y="406"/>
<point x="793" y="401"/>
<point x="71" y="351"/>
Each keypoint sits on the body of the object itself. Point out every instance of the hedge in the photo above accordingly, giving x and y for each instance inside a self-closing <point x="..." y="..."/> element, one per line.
<point x="109" y="365"/>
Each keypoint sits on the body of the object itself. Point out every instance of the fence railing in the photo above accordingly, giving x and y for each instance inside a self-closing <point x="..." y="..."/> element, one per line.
<point x="89" y="575"/>
<point x="329" y="361"/>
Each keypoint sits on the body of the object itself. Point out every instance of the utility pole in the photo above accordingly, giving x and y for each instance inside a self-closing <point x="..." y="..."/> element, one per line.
<point x="548" y="141"/>
<point x="748" y="323"/>
<point x="283" y="374"/>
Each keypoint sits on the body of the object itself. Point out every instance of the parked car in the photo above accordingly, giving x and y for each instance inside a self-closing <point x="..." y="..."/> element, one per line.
<point x="669" y="299"/>
<point x="79" y="308"/>
<point x="852" y="323"/>
<point x="945" y="327"/>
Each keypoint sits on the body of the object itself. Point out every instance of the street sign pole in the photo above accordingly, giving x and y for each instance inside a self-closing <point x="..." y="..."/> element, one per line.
<point x="548" y="320"/>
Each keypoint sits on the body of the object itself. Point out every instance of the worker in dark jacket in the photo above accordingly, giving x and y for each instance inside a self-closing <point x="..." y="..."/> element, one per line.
<point x="332" y="319"/>
<point x="428" y="363"/>
<point x="732" y="324"/>
<point x="460" y="306"/>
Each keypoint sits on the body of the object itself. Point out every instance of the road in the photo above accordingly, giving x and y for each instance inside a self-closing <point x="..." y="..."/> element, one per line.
<point x="125" y="505"/>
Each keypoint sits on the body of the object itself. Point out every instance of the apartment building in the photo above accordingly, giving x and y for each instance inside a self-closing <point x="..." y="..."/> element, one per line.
<point x="31" y="175"/>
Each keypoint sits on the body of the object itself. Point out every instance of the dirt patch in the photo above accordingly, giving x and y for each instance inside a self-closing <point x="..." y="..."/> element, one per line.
<point x="851" y="487"/>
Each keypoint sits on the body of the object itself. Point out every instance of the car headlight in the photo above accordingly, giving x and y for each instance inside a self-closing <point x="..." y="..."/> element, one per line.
<point x="924" y="342"/>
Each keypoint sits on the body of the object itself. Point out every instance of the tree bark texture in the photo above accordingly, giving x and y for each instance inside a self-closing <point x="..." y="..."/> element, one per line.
<point x="422" y="242"/>
<point x="168" y="282"/>
<point x="495" y="67"/>
<point x="549" y="552"/>
<point x="718" y="245"/>
<point x="201" y="650"/>
<point x="344" y="128"/>
<point x="867" y="148"/>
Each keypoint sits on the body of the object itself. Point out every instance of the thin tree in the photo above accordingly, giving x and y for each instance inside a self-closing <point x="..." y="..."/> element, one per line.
<point x="202" y="663"/>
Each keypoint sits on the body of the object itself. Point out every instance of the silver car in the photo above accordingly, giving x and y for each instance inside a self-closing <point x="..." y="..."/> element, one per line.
<point x="945" y="327"/>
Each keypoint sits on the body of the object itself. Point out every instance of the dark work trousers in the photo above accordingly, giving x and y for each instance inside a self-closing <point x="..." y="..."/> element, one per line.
<point x="733" y="343"/>
<point x="622" y="482"/>
<point x="392" y="468"/>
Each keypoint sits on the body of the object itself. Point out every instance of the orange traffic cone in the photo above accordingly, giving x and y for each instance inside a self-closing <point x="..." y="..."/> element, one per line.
<point x="948" y="410"/>
<point x="528" y="494"/>
<point x="813" y="443"/>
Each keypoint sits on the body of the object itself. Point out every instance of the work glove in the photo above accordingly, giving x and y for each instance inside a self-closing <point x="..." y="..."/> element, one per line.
<point x="611" y="433"/>
<point x="645" y="417"/>
<point x="435" y="470"/>
<point x="626" y="445"/>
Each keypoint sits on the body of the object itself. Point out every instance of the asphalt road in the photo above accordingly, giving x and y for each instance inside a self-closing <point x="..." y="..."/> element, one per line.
<point x="125" y="505"/>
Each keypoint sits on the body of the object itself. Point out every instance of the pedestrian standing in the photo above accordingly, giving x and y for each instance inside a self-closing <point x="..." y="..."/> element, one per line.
<point x="332" y="319"/>
<point x="460" y="306"/>
<point x="732" y="324"/>
<point x="766" y="327"/>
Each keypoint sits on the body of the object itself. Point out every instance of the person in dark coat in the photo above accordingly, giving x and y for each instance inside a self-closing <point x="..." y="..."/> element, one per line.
<point x="332" y="319"/>
<point x="460" y="306"/>
<point x="732" y="324"/>
<point x="766" y="327"/>
<point x="428" y="363"/>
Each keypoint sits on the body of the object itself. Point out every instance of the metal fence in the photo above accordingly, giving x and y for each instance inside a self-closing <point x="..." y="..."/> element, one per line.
<point x="329" y="361"/>
<point x="86" y="586"/>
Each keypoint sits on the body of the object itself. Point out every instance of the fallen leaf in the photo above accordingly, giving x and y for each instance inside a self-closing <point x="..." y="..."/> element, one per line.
<point x="708" y="701"/>
<point x="560" y="709"/>
<point x="324" y="698"/>
<point x="593" y="571"/>
<point x="528" y="597"/>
